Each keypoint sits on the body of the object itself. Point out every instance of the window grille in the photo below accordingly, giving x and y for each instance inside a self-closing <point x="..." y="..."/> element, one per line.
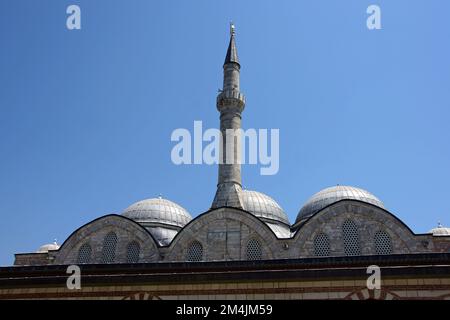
<point x="383" y="242"/>
<point x="195" y="252"/>
<point x="321" y="245"/>
<point x="84" y="254"/>
<point x="254" y="251"/>
<point x="350" y="233"/>
<point x="133" y="251"/>
<point x="109" y="248"/>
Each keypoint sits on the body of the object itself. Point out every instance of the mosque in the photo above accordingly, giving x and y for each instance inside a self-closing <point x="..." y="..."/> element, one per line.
<point x="243" y="247"/>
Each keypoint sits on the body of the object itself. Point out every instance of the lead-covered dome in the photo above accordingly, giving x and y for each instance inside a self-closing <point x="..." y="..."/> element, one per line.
<point x="263" y="206"/>
<point x="268" y="210"/>
<point x="48" y="247"/>
<point x="334" y="194"/>
<point x="161" y="217"/>
<point x="440" y="231"/>
<point x="158" y="210"/>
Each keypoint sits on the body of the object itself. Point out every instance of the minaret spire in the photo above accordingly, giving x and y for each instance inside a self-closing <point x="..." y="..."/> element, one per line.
<point x="232" y="51"/>
<point x="230" y="104"/>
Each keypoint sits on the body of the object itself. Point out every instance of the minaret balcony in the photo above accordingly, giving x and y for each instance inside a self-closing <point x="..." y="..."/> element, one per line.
<point x="230" y="98"/>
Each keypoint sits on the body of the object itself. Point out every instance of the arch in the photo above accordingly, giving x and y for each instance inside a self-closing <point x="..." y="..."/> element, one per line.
<point x="377" y="294"/>
<point x="95" y="232"/>
<point x="142" y="295"/>
<point x="368" y="219"/>
<point x="200" y="216"/>
<point x="359" y="203"/>
<point x="224" y="233"/>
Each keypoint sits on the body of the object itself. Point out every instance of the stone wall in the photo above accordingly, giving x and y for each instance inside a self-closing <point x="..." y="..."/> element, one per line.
<point x="355" y="289"/>
<point x="368" y="220"/>
<point x="30" y="259"/>
<point x="224" y="234"/>
<point x="94" y="234"/>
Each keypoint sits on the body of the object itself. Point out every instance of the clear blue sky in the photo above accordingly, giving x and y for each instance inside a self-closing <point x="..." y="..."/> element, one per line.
<point x="86" y="116"/>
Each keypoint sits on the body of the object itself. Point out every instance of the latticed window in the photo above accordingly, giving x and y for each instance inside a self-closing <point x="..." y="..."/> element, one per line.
<point x="254" y="251"/>
<point x="109" y="248"/>
<point x="383" y="242"/>
<point x="321" y="245"/>
<point x="350" y="234"/>
<point x="195" y="252"/>
<point x="84" y="254"/>
<point x="133" y="251"/>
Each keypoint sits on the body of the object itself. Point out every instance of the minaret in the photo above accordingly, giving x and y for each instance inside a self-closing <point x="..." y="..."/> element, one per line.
<point x="230" y="103"/>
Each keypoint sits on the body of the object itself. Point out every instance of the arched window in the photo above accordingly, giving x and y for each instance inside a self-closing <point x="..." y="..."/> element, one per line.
<point x="84" y="254"/>
<point x="350" y="235"/>
<point x="321" y="245"/>
<point x="383" y="242"/>
<point x="254" y="251"/>
<point x="195" y="252"/>
<point x="133" y="251"/>
<point x="109" y="248"/>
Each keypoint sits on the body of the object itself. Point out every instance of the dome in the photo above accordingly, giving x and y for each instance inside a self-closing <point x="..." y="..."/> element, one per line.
<point x="334" y="194"/>
<point x="161" y="217"/>
<point x="263" y="206"/>
<point x="158" y="211"/>
<point x="440" y="231"/>
<point x="48" y="247"/>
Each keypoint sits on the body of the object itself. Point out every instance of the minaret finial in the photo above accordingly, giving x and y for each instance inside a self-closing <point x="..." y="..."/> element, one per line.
<point x="232" y="51"/>
<point x="232" y="28"/>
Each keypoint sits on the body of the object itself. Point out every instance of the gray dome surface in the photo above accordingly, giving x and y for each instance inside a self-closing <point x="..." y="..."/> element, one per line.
<point x="334" y="194"/>
<point x="158" y="211"/>
<point x="282" y="231"/>
<point x="263" y="206"/>
<point x="48" y="247"/>
<point x="163" y="235"/>
<point x="440" y="231"/>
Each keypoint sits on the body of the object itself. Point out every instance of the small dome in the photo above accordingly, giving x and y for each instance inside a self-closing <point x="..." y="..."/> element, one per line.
<point x="48" y="247"/>
<point x="263" y="206"/>
<point x="440" y="231"/>
<point x="334" y="194"/>
<point x="158" y="211"/>
<point x="161" y="217"/>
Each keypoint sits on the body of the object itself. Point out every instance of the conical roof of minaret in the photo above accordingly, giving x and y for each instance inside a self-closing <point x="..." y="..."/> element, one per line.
<point x="232" y="51"/>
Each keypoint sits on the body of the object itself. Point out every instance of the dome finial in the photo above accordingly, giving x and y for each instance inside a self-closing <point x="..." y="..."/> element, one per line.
<point x="439" y="224"/>
<point x="160" y="196"/>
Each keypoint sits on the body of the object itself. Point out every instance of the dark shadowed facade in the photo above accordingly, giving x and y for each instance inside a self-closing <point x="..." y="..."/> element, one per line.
<point x="244" y="247"/>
